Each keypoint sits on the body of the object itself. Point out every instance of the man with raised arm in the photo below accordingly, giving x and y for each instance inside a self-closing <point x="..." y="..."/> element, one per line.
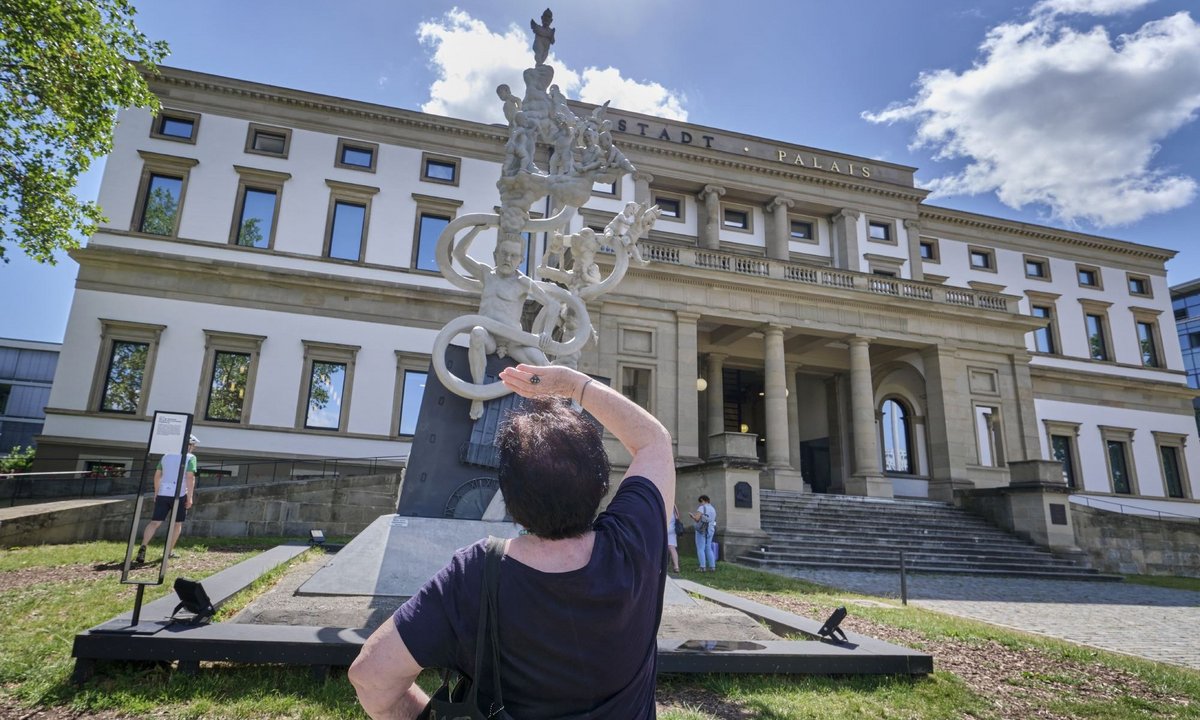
<point x="580" y="596"/>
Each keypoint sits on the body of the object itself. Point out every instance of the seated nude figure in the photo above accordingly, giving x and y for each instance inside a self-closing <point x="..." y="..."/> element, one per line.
<point x="505" y="290"/>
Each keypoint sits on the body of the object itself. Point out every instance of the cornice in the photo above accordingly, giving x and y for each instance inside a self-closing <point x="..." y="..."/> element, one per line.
<point x="1124" y="382"/>
<point x="1042" y="232"/>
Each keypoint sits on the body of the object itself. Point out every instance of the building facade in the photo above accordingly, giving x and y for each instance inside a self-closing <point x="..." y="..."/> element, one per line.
<point x="26" y="374"/>
<point x="1185" y="301"/>
<point x="268" y="266"/>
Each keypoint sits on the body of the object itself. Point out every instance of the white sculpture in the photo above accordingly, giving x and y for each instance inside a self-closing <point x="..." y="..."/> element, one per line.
<point x="583" y="154"/>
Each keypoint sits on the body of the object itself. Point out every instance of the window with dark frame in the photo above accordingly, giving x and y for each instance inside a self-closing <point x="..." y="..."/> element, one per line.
<point x="124" y="379"/>
<point x="441" y="170"/>
<point x="981" y="260"/>
<point x="346" y="235"/>
<point x="1138" y="286"/>
<point x="879" y="231"/>
<point x="1061" y="446"/>
<point x="603" y="188"/>
<point x="1118" y="467"/>
<point x="326" y="390"/>
<point x="801" y="230"/>
<point x="413" y="391"/>
<point x="5" y="392"/>
<point x="1043" y="338"/>
<point x="635" y="385"/>
<point x="1097" y="338"/>
<point x="1035" y="268"/>
<point x="160" y="207"/>
<point x="177" y="127"/>
<point x="669" y="206"/>
<point x="895" y="425"/>
<point x="1172" y="474"/>
<point x="927" y="252"/>
<point x="430" y="228"/>
<point x="257" y="218"/>
<point x="739" y="219"/>
<point x="227" y="388"/>
<point x="1148" y="343"/>
<point x="1088" y="277"/>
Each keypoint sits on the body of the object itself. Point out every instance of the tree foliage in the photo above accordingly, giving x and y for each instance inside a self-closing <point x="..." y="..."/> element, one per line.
<point x="123" y="388"/>
<point x="65" y="70"/>
<point x="17" y="460"/>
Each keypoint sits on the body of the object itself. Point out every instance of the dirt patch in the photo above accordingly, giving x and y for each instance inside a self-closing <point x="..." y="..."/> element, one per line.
<point x="189" y="562"/>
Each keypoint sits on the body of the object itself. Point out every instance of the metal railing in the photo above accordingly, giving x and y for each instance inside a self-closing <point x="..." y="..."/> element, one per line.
<point x="29" y="488"/>
<point x="1137" y="510"/>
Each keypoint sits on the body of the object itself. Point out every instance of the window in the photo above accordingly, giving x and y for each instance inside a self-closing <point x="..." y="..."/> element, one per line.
<point x="268" y="140"/>
<point x="802" y="230"/>
<point x="635" y="385"/>
<point x="412" y="373"/>
<point x="348" y="220"/>
<point x="884" y="265"/>
<point x="982" y="259"/>
<point x="1121" y="473"/>
<point x="160" y="193"/>
<point x="989" y="436"/>
<point x="1043" y="338"/>
<point x="175" y="125"/>
<point x="106" y="468"/>
<point x="1089" y="276"/>
<point x="670" y="207"/>
<point x="1148" y="345"/>
<point x="607" y="189"/>
<point x="231" y="365"/>
<point x="5" y="392"/>
<point x="1171" y="459"/>
<point x="257" y="207"/>
<point x="354" y="155"/>
<point x="433" y="215"/>
<point x="439" y="169"/>
<point x="328" y="379"/>
<point x="1037" y="268"/>
<point x="928" y="250"/>
<point x="124" y="367"/>
<point x="879" y="231"/>
<point x="1139" y="285"/>
<point x="896" y="427"/>
<point x="1095" y="323"/>
<point x="1062" y="448"/>
<point x="736" y="219"/>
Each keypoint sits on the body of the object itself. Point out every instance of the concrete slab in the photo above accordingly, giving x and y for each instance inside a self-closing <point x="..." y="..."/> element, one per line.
<point x="395" y="555"/>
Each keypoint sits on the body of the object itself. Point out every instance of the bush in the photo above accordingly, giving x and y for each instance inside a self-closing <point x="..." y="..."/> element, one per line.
<point x="17" y="460"/>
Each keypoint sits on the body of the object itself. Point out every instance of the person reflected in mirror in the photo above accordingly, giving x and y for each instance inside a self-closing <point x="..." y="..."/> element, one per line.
<point x="166" y="489"/>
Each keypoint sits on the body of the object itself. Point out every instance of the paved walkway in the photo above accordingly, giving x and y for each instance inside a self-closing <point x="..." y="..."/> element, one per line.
<point x="1155" y="623"/>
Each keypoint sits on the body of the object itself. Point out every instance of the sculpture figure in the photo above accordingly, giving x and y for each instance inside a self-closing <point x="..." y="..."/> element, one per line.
<point x="562" y="162"/>
<point x="505" y="290"/>
<point x="629" y="226"/>
<point x="543" y="37"/>
<point x="511" y="103"/>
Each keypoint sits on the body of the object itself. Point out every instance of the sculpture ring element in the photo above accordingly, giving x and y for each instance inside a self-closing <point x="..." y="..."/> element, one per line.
<point x="477" y="222"/>
<point x="515" y="336"/>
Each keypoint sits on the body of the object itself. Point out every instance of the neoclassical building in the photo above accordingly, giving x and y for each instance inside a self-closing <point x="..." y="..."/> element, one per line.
<point x="268" y="266"/>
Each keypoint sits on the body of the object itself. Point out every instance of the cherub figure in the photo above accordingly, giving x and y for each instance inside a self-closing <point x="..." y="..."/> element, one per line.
<point x="522" y="141"/>
<point x="628" y="227"/>
<point x="562" y="162"/>
<point x="511" y="103"/>
<point x="583" y="271"/>
<point x="543" y="37"/>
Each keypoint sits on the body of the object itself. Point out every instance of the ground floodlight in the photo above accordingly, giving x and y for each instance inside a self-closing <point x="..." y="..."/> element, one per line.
<point x="316" y="537"/>
<point x="194" y="599"/>
<point x="830" y="629"/>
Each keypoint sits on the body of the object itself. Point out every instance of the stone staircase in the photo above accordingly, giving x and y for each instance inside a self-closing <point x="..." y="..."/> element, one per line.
<point x="855" y="533"/>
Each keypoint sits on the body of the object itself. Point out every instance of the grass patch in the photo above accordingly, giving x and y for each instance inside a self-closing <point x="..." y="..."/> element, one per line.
<point x="1175" y="582"/>
<point x="983" y="672"/>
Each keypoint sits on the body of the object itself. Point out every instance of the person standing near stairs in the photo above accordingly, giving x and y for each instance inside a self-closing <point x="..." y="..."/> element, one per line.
<point x="166" y="477"/>
<point x="705" y="517"/>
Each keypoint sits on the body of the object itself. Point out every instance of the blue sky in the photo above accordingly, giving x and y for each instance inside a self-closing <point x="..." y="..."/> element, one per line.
<point x="1072" y="113"/>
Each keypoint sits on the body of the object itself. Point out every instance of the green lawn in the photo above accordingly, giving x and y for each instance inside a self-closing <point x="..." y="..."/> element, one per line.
<point x="49" y="593"/>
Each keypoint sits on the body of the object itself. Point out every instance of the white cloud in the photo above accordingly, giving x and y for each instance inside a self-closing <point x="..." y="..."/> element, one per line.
<point x="1088" y="7"/>
<point x="1067" y="119"/>
<point x="470" y="60"/>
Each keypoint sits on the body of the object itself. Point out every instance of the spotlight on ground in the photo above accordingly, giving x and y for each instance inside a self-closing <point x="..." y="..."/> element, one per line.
<point x="316" y="537"/>
<point x="830" y="629"/>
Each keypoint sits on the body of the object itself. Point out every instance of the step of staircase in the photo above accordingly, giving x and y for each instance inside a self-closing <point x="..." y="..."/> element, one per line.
<point x="855" y="533"/>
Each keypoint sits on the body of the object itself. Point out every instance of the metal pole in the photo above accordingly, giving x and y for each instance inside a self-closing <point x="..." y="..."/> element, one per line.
<point x="137" y="604"/>
<point x="903" y="581"/>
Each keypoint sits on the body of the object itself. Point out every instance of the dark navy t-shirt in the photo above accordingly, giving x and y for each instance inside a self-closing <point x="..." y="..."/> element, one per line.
<point x="578" y="644"/>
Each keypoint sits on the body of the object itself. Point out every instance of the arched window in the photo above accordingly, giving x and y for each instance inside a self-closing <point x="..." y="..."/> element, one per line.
<point x="896" y="427"/>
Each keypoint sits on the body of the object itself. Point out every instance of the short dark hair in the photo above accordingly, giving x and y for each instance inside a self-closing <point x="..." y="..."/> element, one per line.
<point x="703" y="498"/>
<point x="553" y="468"/>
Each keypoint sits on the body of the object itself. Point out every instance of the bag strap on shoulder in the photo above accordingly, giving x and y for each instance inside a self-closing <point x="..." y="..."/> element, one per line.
<point x="489" y="623"/>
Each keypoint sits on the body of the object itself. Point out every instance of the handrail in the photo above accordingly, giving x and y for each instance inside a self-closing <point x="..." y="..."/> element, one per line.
<point x="810" y="274"/>
<point x="1142" y="511"/>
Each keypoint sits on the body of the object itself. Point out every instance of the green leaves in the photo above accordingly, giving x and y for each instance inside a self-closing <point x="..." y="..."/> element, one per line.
<point x="66" y="68"/>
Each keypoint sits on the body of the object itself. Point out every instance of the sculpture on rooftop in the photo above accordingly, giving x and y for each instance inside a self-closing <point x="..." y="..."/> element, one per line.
<point x="582" y="154"/>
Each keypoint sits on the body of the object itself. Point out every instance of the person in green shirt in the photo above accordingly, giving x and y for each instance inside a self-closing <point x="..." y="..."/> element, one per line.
<point x="166" y="489"/>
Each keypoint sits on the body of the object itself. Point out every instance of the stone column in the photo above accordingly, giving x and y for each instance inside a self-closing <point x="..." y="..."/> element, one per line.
<point x="781" y="229"/>
<point x="1030" y="447"/>
<point x="868" y="476"/>
<point x="687" y="406"/>
<point x="949" y="423"/>
<point x="845" y="239"/>
<point x="716" y="394"/>
<point x="775" y="382"/>
<point x="915" y="264"/>
<point x="710" y="232"/>
<point x="793" y="416"/>
<point x="641" y="186"/>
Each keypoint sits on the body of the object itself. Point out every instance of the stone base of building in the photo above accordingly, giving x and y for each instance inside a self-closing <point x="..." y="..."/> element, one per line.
<point x="783" y="479"/>
<point x="1035" y="506"/>
<point x="869" y="486"/>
